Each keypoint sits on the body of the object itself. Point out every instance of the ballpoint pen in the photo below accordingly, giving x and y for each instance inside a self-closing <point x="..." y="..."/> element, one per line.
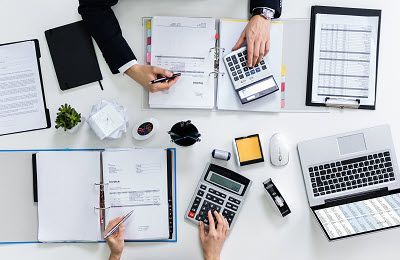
<point x="115" y="228"/>
<point x="164" y="79"/>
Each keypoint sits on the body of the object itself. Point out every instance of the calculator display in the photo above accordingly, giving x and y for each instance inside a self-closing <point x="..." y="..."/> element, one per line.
<point x="256" y="88"/>
<point x="225" y="182"/>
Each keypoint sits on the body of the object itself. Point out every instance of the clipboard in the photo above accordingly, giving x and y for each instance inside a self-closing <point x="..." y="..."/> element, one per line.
<point x="338" y="101"/>
<point x="46" y="110"/>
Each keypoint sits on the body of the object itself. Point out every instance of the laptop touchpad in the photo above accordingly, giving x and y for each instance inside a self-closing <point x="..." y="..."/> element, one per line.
<point x="351" y="144"/>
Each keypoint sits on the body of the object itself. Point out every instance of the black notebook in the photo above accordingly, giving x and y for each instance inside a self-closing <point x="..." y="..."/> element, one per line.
<point x="73" y="55"/>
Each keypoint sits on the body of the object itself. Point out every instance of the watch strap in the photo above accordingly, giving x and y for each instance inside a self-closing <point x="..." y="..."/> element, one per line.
<point x="265" y="12"/>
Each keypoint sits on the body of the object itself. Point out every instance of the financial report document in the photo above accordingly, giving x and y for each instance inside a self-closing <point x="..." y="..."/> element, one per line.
<point x="186" y="46"/>
<point x="137" y="179"/>
<point x="362" y="216"/>
<point x="21" y="99"/>
<point x="345" y="58"/>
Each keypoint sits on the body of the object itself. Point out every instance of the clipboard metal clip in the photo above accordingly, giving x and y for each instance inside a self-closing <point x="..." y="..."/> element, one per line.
<point x="342" y="102"/>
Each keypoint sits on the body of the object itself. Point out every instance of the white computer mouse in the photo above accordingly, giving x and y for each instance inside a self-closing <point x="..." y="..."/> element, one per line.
<point x="279" y="150"/>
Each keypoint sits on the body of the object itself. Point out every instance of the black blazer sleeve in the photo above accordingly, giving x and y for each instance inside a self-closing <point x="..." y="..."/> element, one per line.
<point x="274" y="4"/>
<point x="102" y="24"/>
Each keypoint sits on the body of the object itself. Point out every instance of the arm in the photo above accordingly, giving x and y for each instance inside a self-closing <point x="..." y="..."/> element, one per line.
<point x="257" y="32"/>
<point x="273" y="4"/>
<point x="102" y="24"/>
<point x="116" y="241"/>
<point x="212" y="239"/>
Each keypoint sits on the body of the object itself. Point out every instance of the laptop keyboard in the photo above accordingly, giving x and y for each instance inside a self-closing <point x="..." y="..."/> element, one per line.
<point x="350" y="174"/>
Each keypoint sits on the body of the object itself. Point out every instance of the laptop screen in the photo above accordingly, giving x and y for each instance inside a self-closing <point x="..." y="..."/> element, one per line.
<point x="360" y="217"/>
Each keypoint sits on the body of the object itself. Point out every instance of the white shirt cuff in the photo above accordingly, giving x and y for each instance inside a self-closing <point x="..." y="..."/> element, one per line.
<point x="125" y="67"/>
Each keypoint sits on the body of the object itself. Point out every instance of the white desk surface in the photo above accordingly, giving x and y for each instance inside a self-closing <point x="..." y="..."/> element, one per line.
<point x="260" y="233"/>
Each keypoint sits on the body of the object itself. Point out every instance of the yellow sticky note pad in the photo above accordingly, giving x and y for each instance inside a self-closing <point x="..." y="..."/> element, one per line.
<point x="248" y="150"/>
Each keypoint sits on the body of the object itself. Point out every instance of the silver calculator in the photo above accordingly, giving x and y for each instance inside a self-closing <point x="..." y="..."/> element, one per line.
<point x="250" y="83"/>
<point x="219" y="189"/>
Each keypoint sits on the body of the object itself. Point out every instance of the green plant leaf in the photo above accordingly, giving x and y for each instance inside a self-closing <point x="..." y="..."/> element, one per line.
<point x="67" y="117"/>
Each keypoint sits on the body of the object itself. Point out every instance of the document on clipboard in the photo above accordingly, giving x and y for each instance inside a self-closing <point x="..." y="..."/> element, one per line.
<point x="343" y="57"/>
<point x="22" y="102"/>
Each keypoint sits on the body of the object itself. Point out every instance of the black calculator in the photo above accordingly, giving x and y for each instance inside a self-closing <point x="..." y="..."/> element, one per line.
<point x="250" y="83"/>
<point x="219" y="189"/>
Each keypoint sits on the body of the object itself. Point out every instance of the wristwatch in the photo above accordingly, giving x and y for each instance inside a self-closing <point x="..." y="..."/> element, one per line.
<point x="265" y="12"/>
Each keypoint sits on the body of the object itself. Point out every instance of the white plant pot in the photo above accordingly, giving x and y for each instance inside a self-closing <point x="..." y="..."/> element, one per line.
<point x="76" y="128"/>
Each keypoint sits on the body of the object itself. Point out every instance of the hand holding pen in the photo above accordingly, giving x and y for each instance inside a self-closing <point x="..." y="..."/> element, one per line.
<point x="145" y="74"/>
<point x="115" y="233"/>
<point x="165" y="79"/>
<point x="116" y="241"/>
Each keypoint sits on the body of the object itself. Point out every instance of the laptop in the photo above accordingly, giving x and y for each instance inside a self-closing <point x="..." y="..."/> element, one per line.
<point x="352" y="181"/>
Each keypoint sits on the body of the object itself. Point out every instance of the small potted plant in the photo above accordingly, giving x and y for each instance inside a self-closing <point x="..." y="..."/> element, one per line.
<point x="68" y="118"/>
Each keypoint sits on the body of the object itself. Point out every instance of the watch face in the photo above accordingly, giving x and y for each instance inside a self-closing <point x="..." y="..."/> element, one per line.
<point x="145" y="128"/>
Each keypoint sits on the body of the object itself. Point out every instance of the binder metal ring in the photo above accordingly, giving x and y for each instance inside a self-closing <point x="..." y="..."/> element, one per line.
<point x="217" y="53"/>
<point x="217" y="49"/>
<point x="216" y="73"/>
<point x="101" y="184"/>
<point x="102" y="208"/>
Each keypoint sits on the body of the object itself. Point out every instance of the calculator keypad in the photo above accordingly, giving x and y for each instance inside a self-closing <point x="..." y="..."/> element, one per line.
<point x="237" y="64"/>
<point x="209" y="199"/>
<point x="229" y="215"/>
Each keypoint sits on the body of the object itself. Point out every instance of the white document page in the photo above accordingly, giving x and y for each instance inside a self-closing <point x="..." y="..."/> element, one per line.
<point x="227" y="99"/>
<point x="184" y="45"/>
<point x="345" y="57"/>
<point x="138" y="180"/>
<point x="67" y="196"/>
<point x="21" y="99"/>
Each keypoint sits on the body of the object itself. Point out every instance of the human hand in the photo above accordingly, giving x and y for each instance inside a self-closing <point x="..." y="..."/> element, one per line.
<point x="143" y="74"/>
<point x="257" y="36"/>
<point x="213" y="239"/>
<point x="116" y="241"/>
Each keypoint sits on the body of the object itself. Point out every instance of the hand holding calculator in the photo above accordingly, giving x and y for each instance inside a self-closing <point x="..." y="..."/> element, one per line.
<point x="249" y="83"/>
